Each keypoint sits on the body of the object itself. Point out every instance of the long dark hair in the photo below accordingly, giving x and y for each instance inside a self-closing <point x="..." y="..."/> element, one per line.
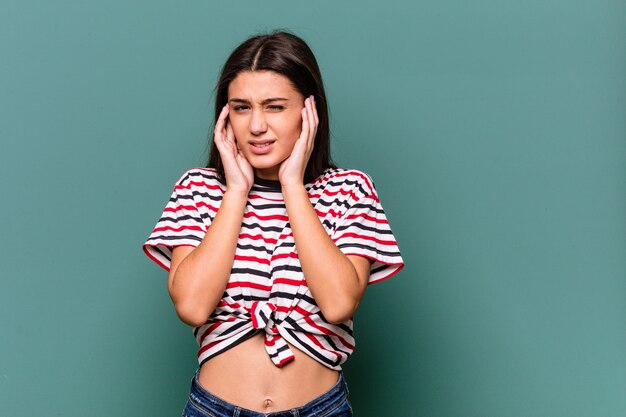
<point x="288" y="55"/>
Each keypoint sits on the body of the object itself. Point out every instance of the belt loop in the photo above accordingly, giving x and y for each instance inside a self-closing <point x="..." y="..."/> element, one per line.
<point x="236" y="413"/>
<point x="295" y="412"/>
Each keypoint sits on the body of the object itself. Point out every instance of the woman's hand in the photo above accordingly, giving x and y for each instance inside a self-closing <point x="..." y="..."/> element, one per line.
<point x="238" y="171"/>
<point x="292" y="169"/>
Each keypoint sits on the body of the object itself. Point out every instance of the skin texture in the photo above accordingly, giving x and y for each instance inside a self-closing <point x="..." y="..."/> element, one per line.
<point x="244" y="374"/>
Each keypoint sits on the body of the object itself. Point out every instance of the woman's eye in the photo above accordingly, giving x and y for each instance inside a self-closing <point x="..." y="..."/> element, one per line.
<point x="240" y="108"/>
<point x="276" y="107"/>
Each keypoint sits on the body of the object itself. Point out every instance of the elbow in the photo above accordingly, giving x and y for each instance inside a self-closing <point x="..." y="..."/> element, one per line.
<point x="340" y="312"/>
<point x="191" y="314"/>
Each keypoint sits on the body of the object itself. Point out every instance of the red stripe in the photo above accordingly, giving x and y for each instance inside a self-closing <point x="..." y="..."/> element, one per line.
<point x="272" y="341"/>
<point x="199" y="184"/>
<point x="207" y="347"/>
<point x="293" y="282"/>
<point x="328" y="332"/>
<point x="257" y="237"/>
<point x="348" y="173"/>
<point x="207" y="205"/>
<point x="285" y="235"/>
<point x="385" y="277"/>
<point x="256" y="197"/>
<point x="289" y="255"/>
<point x="249" y="285"/>
<point x="179" y="208"/>
<point x="367" y="217"/>
<point x="215" y="326"/>
<point x="255" y="322"/>
<point x="252" y="259"/>
<point x="223" y="303"/>
<point x="318" y="344"/>
<point x="373" y="239"/>
<point x="176" y="209"/>
<point x="332" y="212"/>
<point x="178" y="229"/>
<point x="284" y="361"/>
<point x="270" y="217"/>
<point x="161" y="264"/>
<point x="302" y="311"/>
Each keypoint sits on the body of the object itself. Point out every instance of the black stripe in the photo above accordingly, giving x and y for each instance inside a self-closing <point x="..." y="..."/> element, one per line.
<point x="326" y="337"/>
<point x="179" y="219"/>
<point x="363" y="227"/>
<point x="343" y="184"/>
<point x="332" y="203"/>
<point x="245" y="297"/>
<point x="157" y="249"/>
<point x="252" y="226"/>
<point x="208" y="196"/>
<point x="234" y="327"/>
<point x="279" y="350"/>
<point x="263" y="316"/>
<point x="251" y="271"/>
<point x="255" y="248"/>
<point x="291" y="297"/>
<point x="206" y="175"/>
<point x="312" y="350"/>
<point x="368" y="248"/>
<point x="286" y="245"/>
<point x="176" y="237"/>
<point x="260" y="207"/>
<point x="381" y="268"/>
<point x="293" y="268"/>
<point x="230" y="346"/>
<point x="370" y="207"/>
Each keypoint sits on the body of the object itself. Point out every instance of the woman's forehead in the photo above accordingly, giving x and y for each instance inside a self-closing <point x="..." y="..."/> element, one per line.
<point x="260" y="85"/>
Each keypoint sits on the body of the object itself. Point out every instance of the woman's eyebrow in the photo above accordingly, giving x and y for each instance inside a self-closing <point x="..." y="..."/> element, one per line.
<point x="266" y="101"/>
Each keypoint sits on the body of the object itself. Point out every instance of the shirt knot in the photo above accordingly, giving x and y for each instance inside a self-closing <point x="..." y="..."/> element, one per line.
<point x="263" y="317"/>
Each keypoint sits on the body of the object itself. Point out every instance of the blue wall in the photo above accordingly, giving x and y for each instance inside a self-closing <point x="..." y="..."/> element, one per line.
<point x="494" y="130"/>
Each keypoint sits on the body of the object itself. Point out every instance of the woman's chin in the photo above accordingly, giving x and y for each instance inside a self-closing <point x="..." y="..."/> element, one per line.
<point x="265" y="170"/>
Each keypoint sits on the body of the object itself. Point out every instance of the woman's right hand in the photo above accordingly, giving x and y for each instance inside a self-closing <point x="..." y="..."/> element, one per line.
<point x="239" y="173"/>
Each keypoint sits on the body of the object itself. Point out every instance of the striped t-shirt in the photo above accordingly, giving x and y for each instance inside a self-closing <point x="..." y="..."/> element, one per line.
<point x="267" y="291"/>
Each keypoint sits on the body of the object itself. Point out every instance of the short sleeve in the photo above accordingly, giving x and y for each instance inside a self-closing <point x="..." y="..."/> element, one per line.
<point x="364" y="230"/>
<point x="181" y="224"/>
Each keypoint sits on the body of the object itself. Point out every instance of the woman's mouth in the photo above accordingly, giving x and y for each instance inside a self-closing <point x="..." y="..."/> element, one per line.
<point x="261" y="147"/>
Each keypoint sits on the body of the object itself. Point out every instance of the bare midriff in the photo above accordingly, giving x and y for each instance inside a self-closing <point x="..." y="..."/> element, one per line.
<point x="244" y="375"/>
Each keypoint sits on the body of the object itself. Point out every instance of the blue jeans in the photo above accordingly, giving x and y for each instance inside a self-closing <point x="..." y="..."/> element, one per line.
<point x="333" y="403"/>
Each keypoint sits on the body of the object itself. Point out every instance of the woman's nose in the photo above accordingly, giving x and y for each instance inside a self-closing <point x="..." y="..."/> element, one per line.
<point x="258" y="124"/>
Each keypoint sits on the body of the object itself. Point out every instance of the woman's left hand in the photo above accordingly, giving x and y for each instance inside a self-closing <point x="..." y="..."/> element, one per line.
<point x="292" y="169"/>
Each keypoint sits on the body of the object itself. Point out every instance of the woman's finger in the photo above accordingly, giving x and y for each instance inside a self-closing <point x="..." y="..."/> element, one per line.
<point x="230" y="134"/>
<point x="312" y="125"/>
<point x="315" y="115"/>
<point x="219" y="126"/>
<point x="305" y="124"/>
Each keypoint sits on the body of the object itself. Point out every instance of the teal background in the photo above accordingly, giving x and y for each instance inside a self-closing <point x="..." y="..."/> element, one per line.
<point x="494" y="130"/>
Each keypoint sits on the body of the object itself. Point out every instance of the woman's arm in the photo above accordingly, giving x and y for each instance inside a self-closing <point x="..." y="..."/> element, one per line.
<point x="198" y="276"/>
<point x="337" y="281"/>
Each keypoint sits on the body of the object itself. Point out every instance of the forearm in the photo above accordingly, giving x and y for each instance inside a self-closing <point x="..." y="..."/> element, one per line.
<point x="330" y="275"/>
<point x="200" y="279"/>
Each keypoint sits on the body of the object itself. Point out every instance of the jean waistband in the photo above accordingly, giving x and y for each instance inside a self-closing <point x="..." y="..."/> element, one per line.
<point x="318" y="406"/>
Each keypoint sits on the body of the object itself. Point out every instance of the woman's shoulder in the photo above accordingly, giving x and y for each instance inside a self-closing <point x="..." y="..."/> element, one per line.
<point x="203" y="180"/>
<point x="347" y="178"/>
<point x="199" y="176"/>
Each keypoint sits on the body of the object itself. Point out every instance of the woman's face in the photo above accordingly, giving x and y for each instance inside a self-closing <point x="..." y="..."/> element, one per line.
<point x="265" y="114"/>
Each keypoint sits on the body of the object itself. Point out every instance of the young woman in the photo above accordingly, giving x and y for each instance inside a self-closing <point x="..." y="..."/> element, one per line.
<point x="270" y="247"/>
